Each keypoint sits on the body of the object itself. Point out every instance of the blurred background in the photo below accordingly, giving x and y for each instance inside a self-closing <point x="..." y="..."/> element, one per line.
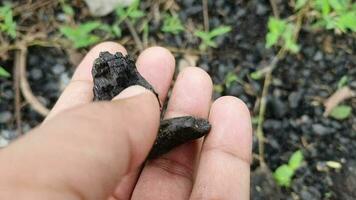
<point x="292" y="62"/>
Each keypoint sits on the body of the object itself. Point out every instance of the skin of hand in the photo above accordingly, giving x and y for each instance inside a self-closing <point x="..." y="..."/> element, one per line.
<point x="91" y="151"/>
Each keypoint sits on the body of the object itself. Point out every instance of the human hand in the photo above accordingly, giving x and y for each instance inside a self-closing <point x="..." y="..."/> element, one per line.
<point x="87" y="150"/>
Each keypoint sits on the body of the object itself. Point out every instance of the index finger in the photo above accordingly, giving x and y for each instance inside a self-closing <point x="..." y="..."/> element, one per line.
<point x="80" y="89"/>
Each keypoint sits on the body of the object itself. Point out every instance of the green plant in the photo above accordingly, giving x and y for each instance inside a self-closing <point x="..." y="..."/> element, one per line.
<point x="338" y="15"/>
<point x="256" y="75"/>
<point x="230" y="78"/>
<point x="208" y="37"/>
<point x="284" y="173"/>
<point x="219" y="88"/>
<point x="132" y="12"/>
<point x="4" y="73"/>
<point x="7" y="24"/>
<point x="342" y="82"/>
<point x="81" y="35"/>
<point x="341" y="112"/>
<point x="281" y="33"/>
<point x="67" y="9"/>
<point x="113" y="30"/>
<point x="172" y="24"/>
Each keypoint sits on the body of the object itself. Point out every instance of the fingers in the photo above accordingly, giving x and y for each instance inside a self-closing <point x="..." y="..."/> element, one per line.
<point x="80" y="89"/>
<point x="156" y="65"/>
<point x="170" y="176"/>
<point x="82" y="153"/>
<point x="224" y="169"/>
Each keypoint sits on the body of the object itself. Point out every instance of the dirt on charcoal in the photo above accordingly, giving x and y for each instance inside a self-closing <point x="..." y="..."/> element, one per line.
<point x="177" y="131"/>
<point x="112" y="73"/>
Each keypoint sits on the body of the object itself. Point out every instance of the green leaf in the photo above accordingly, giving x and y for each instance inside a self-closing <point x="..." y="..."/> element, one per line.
<point x="116" y="30"/>
<point x="206" y="40"/>
<point x="338" y="5"/>
<point x="219" y="31"/>
<point x="67" y="9"/>
<point x="289" y="42"/>
<point x="203" y="35"/>
<point x="218" y="88"/>
<point x="88" y="27"/>
<point x="207" y="37"/>
<point x="347" y="21"/>
<point x="341" y="112"/>
<point x="271" y="39"/>
<point x="283" y="175"/>
<point x="4" y="73"/>
<point x="296" y="160"/>
<point x="257" y="75"/>
<point x="276" y="25"/>
<point x="81" y="35"/>
<point x="7" y="24"/>
<point x="299" y="4"/>
<point x="133" y="11"/>
<point x="135" y="14"/>
<point x="276" y="28"/>
<point x="342" y="82"/>
<point x="172" y="24"/>
<point x="230" y="78"/>
<point x="325" y="7"/>
<point x="121" y="13"/>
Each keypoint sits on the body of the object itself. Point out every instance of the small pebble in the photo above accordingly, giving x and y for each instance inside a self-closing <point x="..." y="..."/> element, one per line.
<point x="64" y="80"/>
<point x="5" y="117"/>
<point x="9" y="134"/>
<point x="58" y="69"/>
<point x="261" y="9"/>
<point x="294" y="99"/>
<point x="318" y="56"/>
<point x="3" y="142"/>
<point x="36" y="73"/>
<point x="321" y="130"/>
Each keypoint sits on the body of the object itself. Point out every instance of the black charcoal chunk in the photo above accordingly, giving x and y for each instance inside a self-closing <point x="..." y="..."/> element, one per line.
<point x="176" y="131"/>
<point x="112" y="73"/>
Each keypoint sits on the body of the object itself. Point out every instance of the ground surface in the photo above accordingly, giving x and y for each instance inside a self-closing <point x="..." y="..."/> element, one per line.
<point x="294" y="118"/>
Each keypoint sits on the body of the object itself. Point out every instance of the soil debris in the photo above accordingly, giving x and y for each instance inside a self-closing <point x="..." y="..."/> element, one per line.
<point x="339" y="96"/>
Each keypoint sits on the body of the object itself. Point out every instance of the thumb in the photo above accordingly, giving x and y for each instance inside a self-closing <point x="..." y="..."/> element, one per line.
<point x="82" y="153"/>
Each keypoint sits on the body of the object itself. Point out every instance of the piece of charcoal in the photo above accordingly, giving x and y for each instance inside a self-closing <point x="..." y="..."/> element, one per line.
<point x="112" y="73"/>
<point x="176" y="131"/>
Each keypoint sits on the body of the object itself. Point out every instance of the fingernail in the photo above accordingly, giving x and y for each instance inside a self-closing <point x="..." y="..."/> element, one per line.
<point x="131" y="91"/>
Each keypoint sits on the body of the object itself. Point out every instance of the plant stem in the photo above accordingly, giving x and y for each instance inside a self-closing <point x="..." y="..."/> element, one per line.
<point x="134" y="34"/>
<point x="274" y="8"/>
<point x="263" y="104"/>
<point x="205" y="15"/>
<point x="267" y="82"/>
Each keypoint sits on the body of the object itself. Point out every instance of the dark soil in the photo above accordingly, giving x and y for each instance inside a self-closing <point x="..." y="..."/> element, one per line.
<point x="295" y="108"/>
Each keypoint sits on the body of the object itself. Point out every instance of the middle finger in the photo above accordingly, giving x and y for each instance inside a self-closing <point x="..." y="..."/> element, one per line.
<point x="171" y="175"/>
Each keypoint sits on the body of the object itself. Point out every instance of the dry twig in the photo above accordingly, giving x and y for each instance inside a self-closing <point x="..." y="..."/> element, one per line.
<point x="17" y="102"/>
<point x="335" y="99"/>
<point x="134" y="34"/>
<point x="206" y="15"/>
<point x="274" y="8"/>
<point x="24" y="85"/>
